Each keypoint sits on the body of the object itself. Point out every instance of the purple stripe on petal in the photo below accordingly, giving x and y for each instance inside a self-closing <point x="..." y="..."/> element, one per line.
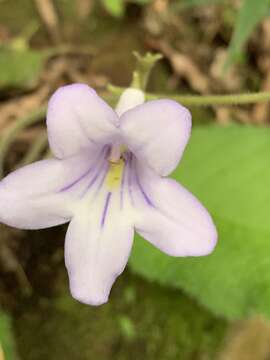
<point x="99" y="170"/>
<point x="130" y="180"/>
<point x="123" y="180"/>
<point x="105" y="209"/>
<point x="145" y="196"/>
<point x="102" y="179"/>
<point x="93" y="166"/>
<point x="94" y="179"/>
<point x="69" y="186"/>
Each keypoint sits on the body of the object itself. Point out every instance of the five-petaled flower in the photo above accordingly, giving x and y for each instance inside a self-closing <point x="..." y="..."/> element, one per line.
<point x="107" y="179"/>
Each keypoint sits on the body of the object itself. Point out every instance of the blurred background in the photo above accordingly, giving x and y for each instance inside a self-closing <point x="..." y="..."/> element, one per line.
<point x="212" y="308"/>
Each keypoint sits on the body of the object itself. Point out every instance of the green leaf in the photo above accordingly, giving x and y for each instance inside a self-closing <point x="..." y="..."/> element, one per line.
<point x="7" y="344"/>
<point x="19" y="68"/>
<point x="228" y="169"/>
<point x="250" y="14"/>
<point x="114" y="7"/>
<point x="141" y="2"/>
<point x="127" y="327"/>
<point x="188" y="3"/>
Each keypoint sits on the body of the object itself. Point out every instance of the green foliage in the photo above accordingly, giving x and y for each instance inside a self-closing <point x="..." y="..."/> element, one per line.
<point x="114" y="7"/>
<point x="19" y="68"/>
<point x="6" y="338"/>
<point x="228" y="169"/>
<point x="154" y="323"/>
<point x="127" y="327"/>
<point x="250" y="14"/>
<point x="187" y="3"/>
<point x="142" y="2"/>
<point x="117" y="7"/>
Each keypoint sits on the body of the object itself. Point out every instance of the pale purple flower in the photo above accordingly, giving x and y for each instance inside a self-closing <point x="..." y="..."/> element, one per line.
<point x="107" y="179"/>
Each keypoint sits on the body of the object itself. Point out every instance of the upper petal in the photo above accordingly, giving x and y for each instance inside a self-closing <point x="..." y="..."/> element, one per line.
<point x="97" y="247"/>
<point x="34" y="196"/>
<point x="157" y="133"/>
<point x="78" y="118"/>
<point x="173" y="219"/>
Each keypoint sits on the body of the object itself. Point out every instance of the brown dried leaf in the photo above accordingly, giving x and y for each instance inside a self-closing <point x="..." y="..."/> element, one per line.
<point x="184" y="67"/>
<point x="84" y="8"/>
<point x="249" y="340"/>
<point x="231" y="80"/>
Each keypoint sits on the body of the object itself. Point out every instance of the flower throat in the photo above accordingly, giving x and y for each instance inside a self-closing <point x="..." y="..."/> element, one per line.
<point x="116" y="166"/>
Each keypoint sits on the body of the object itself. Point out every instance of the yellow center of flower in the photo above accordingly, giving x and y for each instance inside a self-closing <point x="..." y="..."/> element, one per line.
<point x="115" y="173"/>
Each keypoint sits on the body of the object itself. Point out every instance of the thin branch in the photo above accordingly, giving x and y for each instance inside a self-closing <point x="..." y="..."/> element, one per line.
<point x="38" y="146"/>
<point x="10" y="134"/>
<point x="48" y="15"/>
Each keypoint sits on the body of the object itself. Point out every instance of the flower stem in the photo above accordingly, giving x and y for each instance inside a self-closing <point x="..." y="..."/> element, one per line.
<point x="205" y="100"/>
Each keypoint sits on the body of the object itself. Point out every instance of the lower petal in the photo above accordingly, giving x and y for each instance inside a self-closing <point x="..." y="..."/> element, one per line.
<point x="174" y="221"/>
<point x="97" y="247"/>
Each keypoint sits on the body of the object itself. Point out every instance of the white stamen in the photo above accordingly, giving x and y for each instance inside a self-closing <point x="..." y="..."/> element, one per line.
<point x="115" y="153"/>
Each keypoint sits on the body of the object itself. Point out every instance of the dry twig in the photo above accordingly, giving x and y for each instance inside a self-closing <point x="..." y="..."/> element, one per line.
<point x="47" y="12"/>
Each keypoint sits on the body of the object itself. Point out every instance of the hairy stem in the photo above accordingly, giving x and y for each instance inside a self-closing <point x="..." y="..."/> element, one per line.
<point x="205" y="100"/>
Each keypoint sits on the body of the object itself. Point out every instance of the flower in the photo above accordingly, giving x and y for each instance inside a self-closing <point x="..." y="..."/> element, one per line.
<point x="107" y="178"/>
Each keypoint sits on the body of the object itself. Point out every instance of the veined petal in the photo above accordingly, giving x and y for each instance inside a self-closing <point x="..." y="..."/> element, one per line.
<point x="79" y="119"/>
<point x="157" y="133"/>
<point x="36" y="195"/>
<point x="173" y="219"/>
<point x="97" y="247"/>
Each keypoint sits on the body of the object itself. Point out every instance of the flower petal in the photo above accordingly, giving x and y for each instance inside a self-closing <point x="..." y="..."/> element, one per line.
<point x="173" y="219"/>
<point x="97" y="248"/>
<point x="34" y="196"/>
<point x="77" y="119"/>
<point x="157" y="133"/>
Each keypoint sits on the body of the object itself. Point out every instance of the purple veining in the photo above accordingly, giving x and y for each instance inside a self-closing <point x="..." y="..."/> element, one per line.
<point x="92" y="167"/>
<point x="106" y="167"/>
<point x="130" y="179"/>
<point x="105" y="209"/>
<point x="101" y="170"/>
<point x="69" y="186"/>
<point x="145" y="196"/>
<point x="123" y="180"/>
